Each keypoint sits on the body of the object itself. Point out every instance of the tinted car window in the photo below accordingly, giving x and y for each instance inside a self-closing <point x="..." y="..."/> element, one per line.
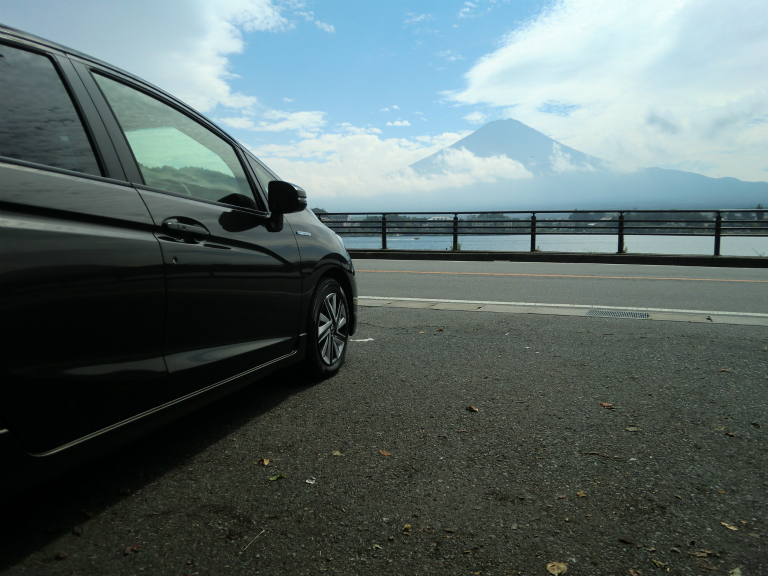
<point x="174" y="152"/>
<point x="263" y="176"/>
<point x="38" y="122"/>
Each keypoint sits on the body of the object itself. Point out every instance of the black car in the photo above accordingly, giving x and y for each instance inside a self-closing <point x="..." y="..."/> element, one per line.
<point x="148" y="262"/>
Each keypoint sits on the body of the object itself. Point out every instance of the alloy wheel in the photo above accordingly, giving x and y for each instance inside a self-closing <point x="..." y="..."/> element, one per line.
<point x="332" y="329"/>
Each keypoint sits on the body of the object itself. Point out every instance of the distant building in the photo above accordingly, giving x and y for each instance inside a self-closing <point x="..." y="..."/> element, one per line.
<point x="443" y="218"/>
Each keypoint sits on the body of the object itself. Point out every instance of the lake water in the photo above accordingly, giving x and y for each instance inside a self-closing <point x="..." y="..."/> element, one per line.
<point x="646" y="244"/>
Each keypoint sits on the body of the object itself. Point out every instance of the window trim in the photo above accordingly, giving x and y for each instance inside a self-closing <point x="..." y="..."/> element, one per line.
<point x="54" y="58"/>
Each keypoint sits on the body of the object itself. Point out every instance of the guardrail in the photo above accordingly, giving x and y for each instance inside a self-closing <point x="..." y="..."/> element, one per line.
<point x="621" y="223"/>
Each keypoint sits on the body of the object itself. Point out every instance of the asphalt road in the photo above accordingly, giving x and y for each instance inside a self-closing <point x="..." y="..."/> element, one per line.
<point x="384" y="470"/>
<point x="711" y="289"/>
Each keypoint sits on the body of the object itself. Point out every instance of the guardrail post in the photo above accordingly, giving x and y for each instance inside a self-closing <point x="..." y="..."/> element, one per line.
<point x="455" y="231"/>
<point x="533" y="231"/>
<point x="383" y="231"/>
<point x="718" y="230"/>
<point x="621" y="232"/>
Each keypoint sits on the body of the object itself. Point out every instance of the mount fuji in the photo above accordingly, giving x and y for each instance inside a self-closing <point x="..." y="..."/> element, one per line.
<point x="506" y="165"/>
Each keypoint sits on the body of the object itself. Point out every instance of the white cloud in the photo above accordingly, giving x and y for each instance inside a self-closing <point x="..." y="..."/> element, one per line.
<point x="325" y="27"/>
<point x="286" y="99"/>
<point x="659" y="82"/>
<point x="450" y="55"/>
<point x="184" y="51"/>
<point x="384" y="110"/>
<point x="476" y="118"/>
<point x="560" y="162"/>
<point x="395" y="107"/>
<point x="399" y="122"/>
<point x="358" y="165"/>
<point x="466" y="11"/>
<point x="307" y="124"/>
<point x="413" y="19"/>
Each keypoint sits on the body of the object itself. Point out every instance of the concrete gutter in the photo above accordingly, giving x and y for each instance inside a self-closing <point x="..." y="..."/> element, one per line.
<point x="573" y="257"/>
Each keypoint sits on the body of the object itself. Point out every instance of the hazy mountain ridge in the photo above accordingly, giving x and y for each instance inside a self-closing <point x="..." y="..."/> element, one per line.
<point x="559" y="176"/>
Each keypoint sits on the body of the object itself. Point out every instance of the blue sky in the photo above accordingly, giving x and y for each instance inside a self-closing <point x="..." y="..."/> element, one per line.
<point x="334" y="94"/>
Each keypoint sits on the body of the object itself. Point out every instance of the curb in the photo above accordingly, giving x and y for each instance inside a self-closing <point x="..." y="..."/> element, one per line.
<point x="572" y="257"/>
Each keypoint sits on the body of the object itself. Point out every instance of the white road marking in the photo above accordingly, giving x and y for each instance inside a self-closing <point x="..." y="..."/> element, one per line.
<point x="567" y="306"/>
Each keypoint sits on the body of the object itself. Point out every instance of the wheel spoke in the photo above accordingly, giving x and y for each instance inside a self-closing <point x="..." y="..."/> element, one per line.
<point x="326" y="350"/>
<point x="323" y="329"/>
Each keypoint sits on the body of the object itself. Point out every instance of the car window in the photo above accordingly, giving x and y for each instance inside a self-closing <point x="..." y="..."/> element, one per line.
<point x="38" y="121"/>
<point x="174" y="152"/>
<point x="263" y="176"/>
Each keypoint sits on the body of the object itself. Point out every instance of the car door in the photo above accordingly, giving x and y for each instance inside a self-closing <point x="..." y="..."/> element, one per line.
<point x="82" y="288"/>
<point x="233" y="280"/>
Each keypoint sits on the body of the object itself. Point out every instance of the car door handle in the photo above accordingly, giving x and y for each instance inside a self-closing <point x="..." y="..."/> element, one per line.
<point x="187" y="228"/>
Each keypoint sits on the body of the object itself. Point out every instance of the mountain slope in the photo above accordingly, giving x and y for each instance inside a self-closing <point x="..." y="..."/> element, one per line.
<point x="516" y="141"/>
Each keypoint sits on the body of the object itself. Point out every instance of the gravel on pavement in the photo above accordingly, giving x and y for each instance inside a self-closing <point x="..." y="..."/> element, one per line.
<point x="450" y="443"/>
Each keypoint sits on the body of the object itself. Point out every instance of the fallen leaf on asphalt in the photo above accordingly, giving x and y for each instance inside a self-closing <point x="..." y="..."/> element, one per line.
<point x="557" y="568"/>
<point x="756" y="424"/>
<point x="659" y="563"/>
<point x="135" y="548"/>
<point x="310" y="480"/>
<point x="451" y="530"/>
<point x="705" y="566"/>
<point x="625" y="541"/>
<point x="439" y="330"/>
<point x="607" y="405"/>
<point x="376" y="547"/>
<point x="581" y="493"/>
<point x="702" y="553"/>
<point x="721" y="491"/>
<point x="731" y="434"/>
<point x="277" y="476"/>
<point x="336" y="453"/>
<point x="635" y="572"/>
<point x="471" y="409"/>
<point x="264" y="461"/>
<point x="743" y="521"/>
<point x="561" y="496"/>
<point x="407" y="529"/>
<point x="634" y="429"/>
<point x="719" y="428"/>
<point x="675" y="550"/>
<point x="384" y="453"/>
<point x="725" y="370"/>
<point x="422" y="332"/>
<point x="735" y="571"/>
<point x="729" y="526"/>
<point x="61" y="555"/>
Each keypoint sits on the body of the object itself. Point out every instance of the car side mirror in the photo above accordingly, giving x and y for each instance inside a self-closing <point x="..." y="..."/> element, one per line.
<point x="286" y="198"/>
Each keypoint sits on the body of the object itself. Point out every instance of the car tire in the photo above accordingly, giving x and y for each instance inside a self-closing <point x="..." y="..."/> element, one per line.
<point x="327" y="330"/>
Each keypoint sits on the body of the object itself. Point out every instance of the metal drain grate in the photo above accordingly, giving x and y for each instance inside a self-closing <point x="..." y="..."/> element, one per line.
<point x="618" y="314"/>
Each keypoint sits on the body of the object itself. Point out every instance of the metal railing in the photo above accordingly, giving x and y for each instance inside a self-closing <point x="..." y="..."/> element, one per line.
<point x="621" y="223"/>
